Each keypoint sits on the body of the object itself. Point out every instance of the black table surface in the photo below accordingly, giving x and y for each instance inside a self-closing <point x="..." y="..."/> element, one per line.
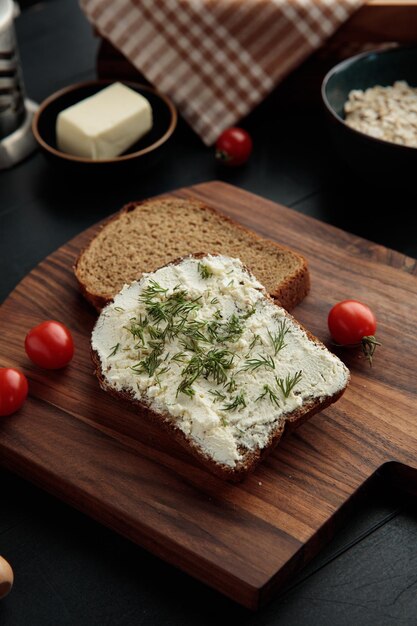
<point x="70" y="570"/>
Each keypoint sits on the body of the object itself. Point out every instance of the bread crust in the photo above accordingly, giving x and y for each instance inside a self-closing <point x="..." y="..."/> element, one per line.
<point x="250" y="459"/>
<point x="288" y="293"/>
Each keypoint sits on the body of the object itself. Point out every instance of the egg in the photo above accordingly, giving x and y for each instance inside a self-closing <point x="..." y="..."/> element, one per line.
<point x="6" y="577"/>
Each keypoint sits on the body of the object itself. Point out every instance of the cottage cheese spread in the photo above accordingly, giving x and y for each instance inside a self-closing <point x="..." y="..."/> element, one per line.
<point x="230" y="365"/>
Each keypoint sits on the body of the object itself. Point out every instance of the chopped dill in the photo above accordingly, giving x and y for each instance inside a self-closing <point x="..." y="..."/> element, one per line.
<point x="137" y="328"/>
<point x="159" y="373"/>
<point x="152" y="290"/>
<point x="270" y="393"/>
<point x="149" y="364"/>
<point x="114" y="349"/>
<point x="248" y="313"/>
<point x="262" y="361"/>
<point x="237" y="403"/>
<point x="217" y="395"/>
<point x="231" y="385"/>
<point x="190" y="344"/>
<point x="205" y="271"/>
<point x="212" y="366"/>
<point x="256" y="339"/>
<point x="225" y="332"/>
<point x="287" y="385"/>
<point x="185" y="388"/>
<point x="278" y="338"/>
<point x="179" y="357"/>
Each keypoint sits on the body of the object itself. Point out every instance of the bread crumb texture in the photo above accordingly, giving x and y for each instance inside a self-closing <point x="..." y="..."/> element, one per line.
<point x="145" y="237"/>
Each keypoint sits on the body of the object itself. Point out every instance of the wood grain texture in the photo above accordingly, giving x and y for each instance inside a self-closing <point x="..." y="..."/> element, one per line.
<point x="244" y="540"/>
<point x="381" y="21"/>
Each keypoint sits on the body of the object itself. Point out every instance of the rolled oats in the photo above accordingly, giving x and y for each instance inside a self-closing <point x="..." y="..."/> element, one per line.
<point x="388" y="113"/>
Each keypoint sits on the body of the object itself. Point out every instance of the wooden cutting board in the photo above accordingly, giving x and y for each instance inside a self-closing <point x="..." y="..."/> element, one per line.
<point x="244" y="540"/>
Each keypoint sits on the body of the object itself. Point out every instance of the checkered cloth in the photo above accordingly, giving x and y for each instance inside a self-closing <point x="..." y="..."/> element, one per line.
<point x="216" y="59"/>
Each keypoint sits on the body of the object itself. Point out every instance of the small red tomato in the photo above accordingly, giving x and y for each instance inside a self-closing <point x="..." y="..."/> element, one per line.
<point x="352" y="323"/>
<point x="13" y="390"/>
<point x="234" y="146"/>
<point x="50" y="345"/>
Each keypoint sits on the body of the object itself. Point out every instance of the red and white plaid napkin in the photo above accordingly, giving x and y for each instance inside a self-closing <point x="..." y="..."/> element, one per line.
<point x="217" y="59"/>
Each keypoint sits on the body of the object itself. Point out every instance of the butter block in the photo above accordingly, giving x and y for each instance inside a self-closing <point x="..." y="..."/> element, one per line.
<point x="103" y="126"/>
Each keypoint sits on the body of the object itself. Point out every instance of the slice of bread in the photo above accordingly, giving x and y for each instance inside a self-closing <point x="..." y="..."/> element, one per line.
<point x="143" y="237"/>
<point x="201" y="347"/>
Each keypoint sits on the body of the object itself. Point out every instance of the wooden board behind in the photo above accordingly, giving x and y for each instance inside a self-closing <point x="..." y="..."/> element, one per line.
<point x="244" y="540"/>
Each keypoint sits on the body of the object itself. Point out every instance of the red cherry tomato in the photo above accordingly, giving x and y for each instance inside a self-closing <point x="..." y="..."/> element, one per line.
<point x="50" y="345"/>
<point x="234" y="146"/>
<point x="13" y="390"/>
<point x="352" y="323"/>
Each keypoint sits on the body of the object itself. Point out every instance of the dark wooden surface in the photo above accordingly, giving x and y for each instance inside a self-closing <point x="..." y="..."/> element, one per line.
<point x="95" y="453"/>
<point x="68" y="568"/>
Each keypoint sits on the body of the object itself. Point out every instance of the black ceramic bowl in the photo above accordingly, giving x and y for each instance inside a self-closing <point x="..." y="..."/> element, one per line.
<point x="139" y="156"/>
<point x="382" y="160"/>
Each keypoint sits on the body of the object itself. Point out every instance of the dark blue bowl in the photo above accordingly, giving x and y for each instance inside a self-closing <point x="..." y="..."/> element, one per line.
<point x="390" y="163"/>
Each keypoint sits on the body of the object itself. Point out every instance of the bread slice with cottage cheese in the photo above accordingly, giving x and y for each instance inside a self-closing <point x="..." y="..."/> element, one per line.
<point x="201" y="348"/>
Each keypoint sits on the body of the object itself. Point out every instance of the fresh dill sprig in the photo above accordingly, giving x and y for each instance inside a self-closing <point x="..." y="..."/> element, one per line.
<point x="216" y="363"/>
<point x="231" y="385"/>
<point x="225" y="332"/>
<point x="212" y="366"/>
<point x="162" y="307"/>
<point x="277" y="339"/>
<point x="150" y="363"/>
<point x="156" y="345"/>
<point x="262" y="361"/>
<point x="137" y="328"/>
<point x="152" y="290"/>
<point x="185" y="387"/>
<point x="159" y="373"/>
<point x="270" y="393"/>
<point x="114" y="349"/>
<point x="205" y="271"/>
<point x="238" y="402"/>
<point x="190" y="344"/>
<point x="194" y="329"/>
<point x="179" y="357"/>
<point x="256" y="339"/>
<point x="155" y="333"/>
<point x="287" y="385"/>
<point x="217" y="395"/>
<point x="248" y="313"/>
<point x="174" y="327"/>
<point x="191" y="371"/>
